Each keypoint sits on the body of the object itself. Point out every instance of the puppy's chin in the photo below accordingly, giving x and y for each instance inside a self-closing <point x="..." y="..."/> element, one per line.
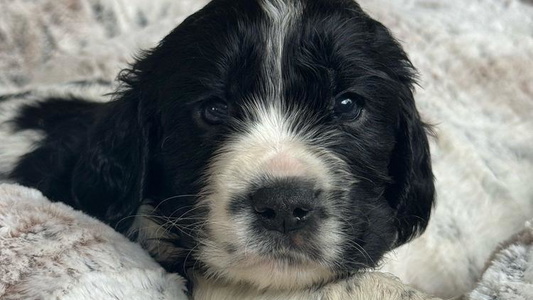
<point x="282" y="272"/>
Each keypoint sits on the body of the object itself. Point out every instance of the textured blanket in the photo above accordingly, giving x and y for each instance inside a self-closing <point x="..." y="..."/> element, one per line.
<point x="50" y="251"/>
<point x="509" y="272"/>
<point x="475" y="60"/>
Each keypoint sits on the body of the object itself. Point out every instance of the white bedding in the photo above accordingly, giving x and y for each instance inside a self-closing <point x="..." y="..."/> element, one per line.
<point x="50" y="251"/>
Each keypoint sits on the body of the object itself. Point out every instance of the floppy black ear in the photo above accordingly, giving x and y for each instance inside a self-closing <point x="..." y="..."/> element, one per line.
<point x="412" y="191"/>
<point x="108" y="179"/>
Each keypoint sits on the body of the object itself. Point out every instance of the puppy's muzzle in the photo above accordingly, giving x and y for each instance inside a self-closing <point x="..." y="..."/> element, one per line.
<point x="286" y="205"/>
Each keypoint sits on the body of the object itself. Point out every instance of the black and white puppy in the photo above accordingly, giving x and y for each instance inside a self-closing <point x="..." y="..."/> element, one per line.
<point x="269" y="143"/>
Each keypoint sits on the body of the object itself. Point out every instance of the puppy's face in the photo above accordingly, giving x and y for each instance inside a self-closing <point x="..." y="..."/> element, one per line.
<point x="284" y="148"/>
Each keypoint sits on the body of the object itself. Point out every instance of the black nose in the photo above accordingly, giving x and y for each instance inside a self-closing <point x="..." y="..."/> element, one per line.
<point x="285" y="206"/>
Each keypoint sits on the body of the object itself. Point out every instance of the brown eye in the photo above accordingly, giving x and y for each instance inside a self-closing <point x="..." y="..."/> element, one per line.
<point x="348" y="107"/>
<point x="215" y="111"/>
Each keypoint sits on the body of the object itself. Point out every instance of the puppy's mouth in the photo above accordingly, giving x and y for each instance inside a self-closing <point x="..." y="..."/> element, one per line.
<point x="291" y="247"/>
<point x="284" y="262"/>
<point x="294" y="245"/>
<point x="291" y="240"/>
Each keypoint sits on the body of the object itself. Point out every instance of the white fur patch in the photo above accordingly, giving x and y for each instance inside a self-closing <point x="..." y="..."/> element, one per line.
<point x="282" y="15"/>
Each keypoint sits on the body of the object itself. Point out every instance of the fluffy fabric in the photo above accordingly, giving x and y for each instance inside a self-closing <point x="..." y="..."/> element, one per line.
<point x="509" y="273"/>
<point x="50" y="251"/>
<point x="475" y="61"/>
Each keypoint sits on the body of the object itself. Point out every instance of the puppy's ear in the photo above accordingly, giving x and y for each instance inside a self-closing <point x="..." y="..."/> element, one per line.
<point x="109" y="176"/>
<point x="412" y="191"/>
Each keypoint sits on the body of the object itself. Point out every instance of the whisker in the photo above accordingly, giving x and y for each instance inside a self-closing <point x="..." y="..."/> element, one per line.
<point x="172" y="198"/>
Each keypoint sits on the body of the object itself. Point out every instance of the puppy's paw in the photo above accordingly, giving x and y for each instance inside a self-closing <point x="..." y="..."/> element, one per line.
<point x="372" y="286"/>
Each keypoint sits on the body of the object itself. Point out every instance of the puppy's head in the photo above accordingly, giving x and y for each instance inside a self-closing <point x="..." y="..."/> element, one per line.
<point x="278" y="142"/>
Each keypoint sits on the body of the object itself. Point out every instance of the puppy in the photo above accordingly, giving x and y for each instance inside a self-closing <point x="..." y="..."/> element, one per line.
<point x="263" y="144"/>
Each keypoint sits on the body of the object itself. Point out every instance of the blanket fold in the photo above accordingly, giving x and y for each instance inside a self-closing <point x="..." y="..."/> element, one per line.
<point x="51" y="251"/>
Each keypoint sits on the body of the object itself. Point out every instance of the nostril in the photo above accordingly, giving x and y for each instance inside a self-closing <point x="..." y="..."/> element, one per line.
<point x="266" y="213"/>
<point x="300" y="213"/>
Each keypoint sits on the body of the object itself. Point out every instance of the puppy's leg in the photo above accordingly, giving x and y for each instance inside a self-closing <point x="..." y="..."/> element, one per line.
<point x="371" y="286"/>
<point x="364" y="286"/>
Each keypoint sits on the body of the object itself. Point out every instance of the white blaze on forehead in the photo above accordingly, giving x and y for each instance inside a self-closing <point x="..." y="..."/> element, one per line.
<point x="282" y="15"/>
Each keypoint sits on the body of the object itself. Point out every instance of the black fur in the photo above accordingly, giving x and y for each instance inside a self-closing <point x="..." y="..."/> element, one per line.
<point x="151" y="143"/>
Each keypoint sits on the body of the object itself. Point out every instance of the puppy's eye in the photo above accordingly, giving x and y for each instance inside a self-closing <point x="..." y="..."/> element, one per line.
<point x="215" y="111"/>
<point x="348" y="107"/>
